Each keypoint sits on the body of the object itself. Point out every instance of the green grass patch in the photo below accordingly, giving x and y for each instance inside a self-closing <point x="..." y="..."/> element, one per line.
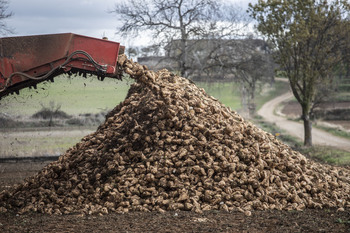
<point x="269" y="92"/>
<point x="39" y="143"/>
<point x="281" y="134"/>
<point x="227" y="92"/>
<point x="324" y="154"/>
<point x="344" y="87"/>
<point x="334" y="131"/>
<point x="76" y="95"/>
<point x="341" y="97"/>
<point x="327" y="154"/>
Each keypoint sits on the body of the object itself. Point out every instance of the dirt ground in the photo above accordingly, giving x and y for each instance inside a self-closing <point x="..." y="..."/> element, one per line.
<point x="293" y="110"/>
<point x="327" y="220"/>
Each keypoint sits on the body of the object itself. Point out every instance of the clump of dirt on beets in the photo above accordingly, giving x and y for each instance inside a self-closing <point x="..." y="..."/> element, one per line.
<point x="170" y="146"/>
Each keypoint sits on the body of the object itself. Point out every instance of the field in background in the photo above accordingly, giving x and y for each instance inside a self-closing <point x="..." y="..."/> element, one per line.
<point x="324" y="154"/>
<point x="76" y="95"/>
<point x="33" y="142"/>
<point x="227" y="92"/>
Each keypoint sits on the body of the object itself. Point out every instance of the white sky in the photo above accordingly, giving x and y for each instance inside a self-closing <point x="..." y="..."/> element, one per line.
<point x="85" y="17"/>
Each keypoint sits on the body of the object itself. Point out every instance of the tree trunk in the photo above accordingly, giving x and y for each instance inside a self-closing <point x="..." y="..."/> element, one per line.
<point x="251" y="99"/>
<point x="307" y="129"/>
<point x="183" y="58"/>
<point x="244" y="98"/>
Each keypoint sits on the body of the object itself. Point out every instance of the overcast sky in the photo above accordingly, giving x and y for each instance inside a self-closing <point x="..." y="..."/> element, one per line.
<point x="85" y="17"/>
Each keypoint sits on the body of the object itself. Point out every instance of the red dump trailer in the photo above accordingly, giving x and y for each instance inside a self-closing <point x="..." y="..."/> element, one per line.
<point x="28" y="60"/>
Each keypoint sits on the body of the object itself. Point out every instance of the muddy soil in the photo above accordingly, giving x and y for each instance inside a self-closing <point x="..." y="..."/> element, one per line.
<point x="311" y="220"/>
<point x="293" y="108"/>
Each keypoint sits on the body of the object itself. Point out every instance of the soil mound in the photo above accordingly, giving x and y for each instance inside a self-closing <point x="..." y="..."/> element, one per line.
<point x="170" y="146"/>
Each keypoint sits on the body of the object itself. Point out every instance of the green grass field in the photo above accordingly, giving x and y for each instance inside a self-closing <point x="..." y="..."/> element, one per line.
<point x="269" y="92"/>
<point x="76" y="95"/>
<point x="227" y="93"/>
<point x="34" y="142"/>
<point x="325" y="154"/>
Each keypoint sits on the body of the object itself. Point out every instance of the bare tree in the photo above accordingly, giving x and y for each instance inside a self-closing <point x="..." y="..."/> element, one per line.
<point x="206" y="38"/>
<point x="308" y="37"/>
<point x="257" y="67"/>
<point x="4" y="14"/>
<point x="179" y="24"/>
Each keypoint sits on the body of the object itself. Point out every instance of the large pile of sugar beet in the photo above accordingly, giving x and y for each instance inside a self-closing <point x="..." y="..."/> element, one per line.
<point x="170" y="146"/>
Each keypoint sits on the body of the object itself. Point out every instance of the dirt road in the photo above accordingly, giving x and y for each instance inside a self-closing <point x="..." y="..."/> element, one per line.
<point x="319" y="137"/>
